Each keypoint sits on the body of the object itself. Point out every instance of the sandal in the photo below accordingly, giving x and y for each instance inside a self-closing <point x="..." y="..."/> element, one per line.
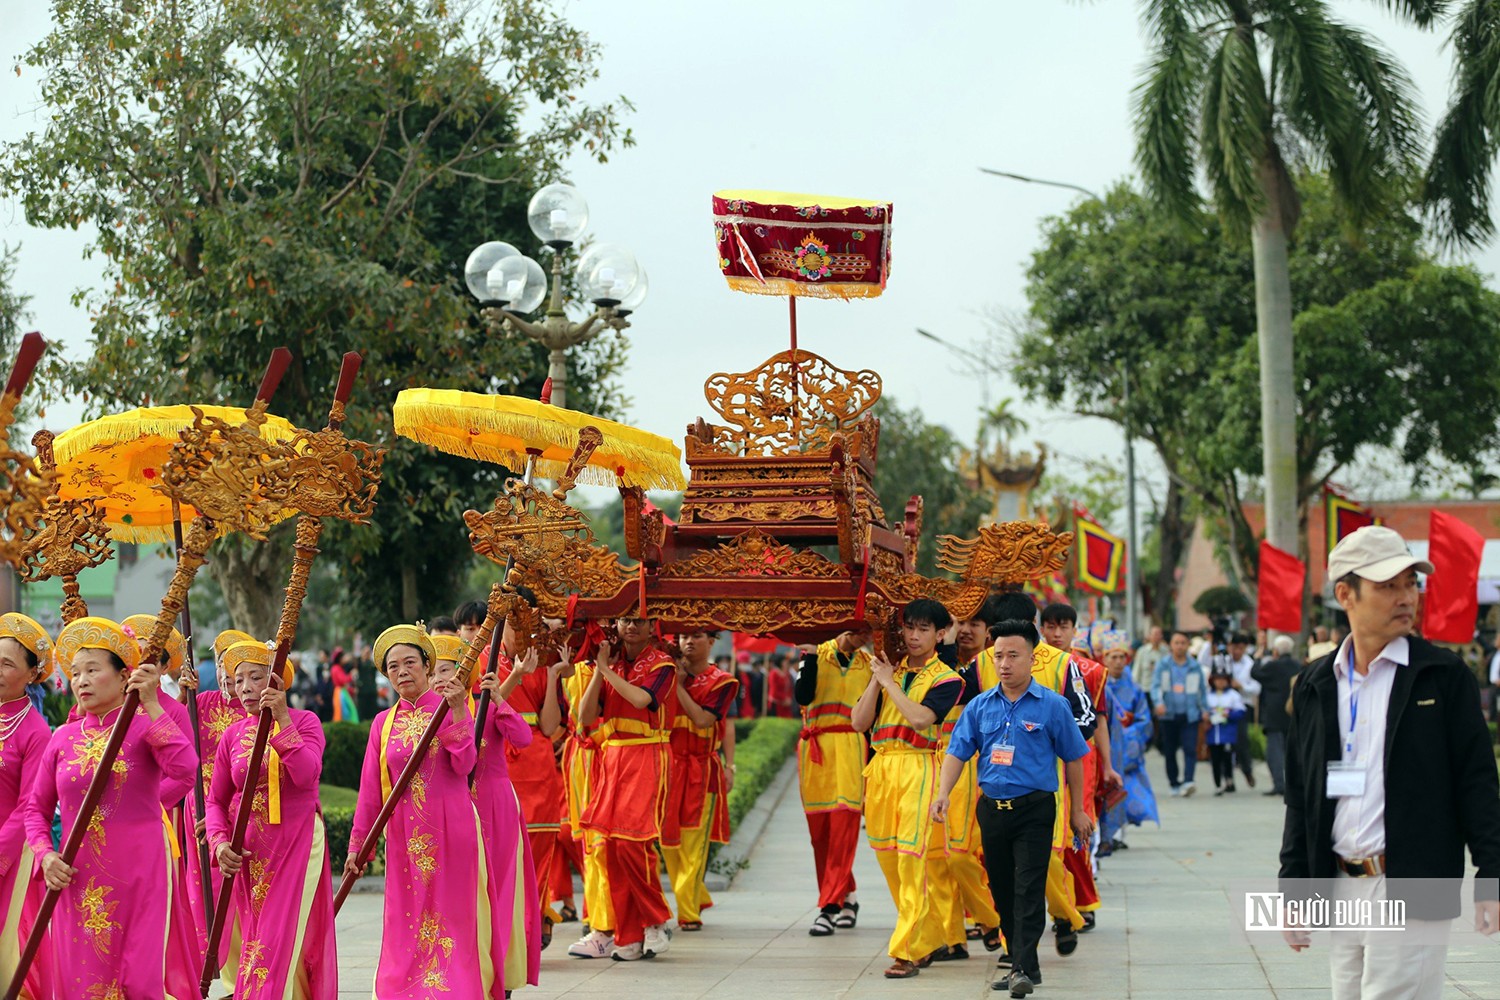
<point x="822" y="925"/>
<point x="568" y="913"/>
<point x="901" y="969"/>
<point x="690" y="925"/>
<point x="847" y="917"/>
<point x="975" y="932"/>
<point x="992" y="939"/>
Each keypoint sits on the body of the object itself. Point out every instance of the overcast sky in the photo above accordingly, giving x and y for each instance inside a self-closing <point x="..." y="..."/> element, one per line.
<point x="876" y="99"/>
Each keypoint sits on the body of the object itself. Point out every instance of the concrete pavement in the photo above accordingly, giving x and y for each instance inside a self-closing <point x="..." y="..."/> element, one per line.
<point x="1164" y="933"/>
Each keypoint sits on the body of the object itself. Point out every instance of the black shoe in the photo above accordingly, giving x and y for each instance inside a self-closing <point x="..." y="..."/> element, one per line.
<point x="1229" y="788"/>
<point x="1067" y="937"/>
<point x="1250" y="778"/>
<point x="1004" y="961"/>
<point x="950" y="953"/>
<point x="1018" y="982"/>
<point x="1274" y="791"/>
<point x="1088" y="925"/>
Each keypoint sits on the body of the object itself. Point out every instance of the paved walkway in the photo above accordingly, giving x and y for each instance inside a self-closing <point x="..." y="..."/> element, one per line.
<point x="1165" y="930"/>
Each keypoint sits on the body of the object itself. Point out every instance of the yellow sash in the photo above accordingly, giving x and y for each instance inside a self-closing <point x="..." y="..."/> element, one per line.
<point x="623" y="732"/>
<point x="166" y="821"/>
<point x="273" y="779"/>
<point x="385" y="739"/>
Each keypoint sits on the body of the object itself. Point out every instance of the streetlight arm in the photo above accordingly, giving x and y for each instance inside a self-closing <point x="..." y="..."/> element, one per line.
<point x="535" y="331"/>
<point x="585" y="330"/>
<point x="1038" y="180"/>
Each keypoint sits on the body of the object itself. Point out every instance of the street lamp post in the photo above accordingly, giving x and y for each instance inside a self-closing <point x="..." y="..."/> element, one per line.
<point x="508" y="283"/>
<point x="1132" y="562"/>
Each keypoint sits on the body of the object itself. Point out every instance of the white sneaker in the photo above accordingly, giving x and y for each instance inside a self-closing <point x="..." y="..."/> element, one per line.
<point x="594" y="944"/>
<point x="1177" y="792"/>
<point x="1188" y="788"/>
<point x="658" y="940"/>
<point x="629" y="952"/>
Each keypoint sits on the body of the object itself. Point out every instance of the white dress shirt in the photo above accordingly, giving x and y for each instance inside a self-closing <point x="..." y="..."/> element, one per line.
<point x="1249" y="686"/>
<point x="1359" y="820"/>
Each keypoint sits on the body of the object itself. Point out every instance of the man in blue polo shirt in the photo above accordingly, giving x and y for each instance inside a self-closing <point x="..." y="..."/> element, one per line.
<point x="1020" y="730"/>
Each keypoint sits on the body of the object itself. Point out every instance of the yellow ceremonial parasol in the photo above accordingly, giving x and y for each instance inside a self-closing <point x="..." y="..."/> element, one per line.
<point x="507" y="430"/>
<point x="117" y="460"/>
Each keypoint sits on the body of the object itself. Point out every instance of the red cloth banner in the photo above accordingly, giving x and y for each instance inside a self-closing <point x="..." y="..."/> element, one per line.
<point x="1344" y="517"/>
<point x="774" y="243"/>
<point x="1278" y="603"/>
<point x="1101" y="557"/>
<point x="1451" y="605"/>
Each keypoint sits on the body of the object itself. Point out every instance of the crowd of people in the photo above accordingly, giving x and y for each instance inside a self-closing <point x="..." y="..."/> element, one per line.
<point x="991" y="762"/>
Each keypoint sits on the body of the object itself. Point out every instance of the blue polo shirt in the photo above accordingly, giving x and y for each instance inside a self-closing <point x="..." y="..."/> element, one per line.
<point x="1040" y="727"/>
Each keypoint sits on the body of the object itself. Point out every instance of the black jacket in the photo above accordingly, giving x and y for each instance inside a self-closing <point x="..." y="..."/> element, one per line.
<point x="1275" y="677"/>
<point x="1440" y="780"/>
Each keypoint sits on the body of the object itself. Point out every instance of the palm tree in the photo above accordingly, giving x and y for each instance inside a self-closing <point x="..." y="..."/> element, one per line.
<point x="1001" y="421"/>
<point x="1457" y="185"/>
<point x="1240" y="89"/>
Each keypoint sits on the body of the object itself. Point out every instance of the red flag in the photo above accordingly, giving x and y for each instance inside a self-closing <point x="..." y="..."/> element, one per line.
<point x="1279" y="601"/>
<point x="1344" y="517"/>
<point x="743" y="643"/>
<point x="1451" y="605"/>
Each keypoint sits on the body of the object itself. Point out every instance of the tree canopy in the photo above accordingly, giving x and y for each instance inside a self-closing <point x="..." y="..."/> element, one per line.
<point x="1388" y="340"/>
<point x="311" y="174"/>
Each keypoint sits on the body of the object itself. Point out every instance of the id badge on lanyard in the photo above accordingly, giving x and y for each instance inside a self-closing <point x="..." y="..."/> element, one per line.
<point x="1003" y="753"/>
<point x="1346" y="778"/>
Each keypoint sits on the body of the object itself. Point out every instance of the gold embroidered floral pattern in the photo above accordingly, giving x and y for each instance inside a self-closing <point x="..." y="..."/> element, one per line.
<point x="418" y="788"/>
<point x="106" y="991"/>
<point x="98" y="909"/>
<point x="438" y="946"/>
<point x="423" y="855"/>
<point x="253" y="972"/>
<point x="260" y="882"/>
<point x="89" y="751"/>
<point x="410" y="726"/>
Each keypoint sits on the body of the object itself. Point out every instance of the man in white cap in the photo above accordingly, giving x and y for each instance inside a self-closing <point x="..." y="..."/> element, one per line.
<point x="1389" y="772"/>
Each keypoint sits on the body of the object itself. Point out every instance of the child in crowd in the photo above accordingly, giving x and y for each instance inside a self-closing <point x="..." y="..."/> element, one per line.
<point x="1225" y="708"/>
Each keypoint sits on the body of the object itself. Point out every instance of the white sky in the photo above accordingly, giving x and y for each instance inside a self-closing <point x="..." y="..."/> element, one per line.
<point x="880" y="99"/>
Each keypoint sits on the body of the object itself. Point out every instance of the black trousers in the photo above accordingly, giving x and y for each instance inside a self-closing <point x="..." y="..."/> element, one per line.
<point x="1242" y="741"/>
<point x="1017" y="848"/>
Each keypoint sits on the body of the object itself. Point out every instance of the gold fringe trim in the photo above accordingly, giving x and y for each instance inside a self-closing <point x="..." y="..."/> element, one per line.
<point x="845" y="290"/>
<point x="499" y="429"/>
<point x="152" y="421"/>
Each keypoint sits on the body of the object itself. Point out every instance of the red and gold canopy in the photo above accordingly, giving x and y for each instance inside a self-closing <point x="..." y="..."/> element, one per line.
<point x="775" y="243"/>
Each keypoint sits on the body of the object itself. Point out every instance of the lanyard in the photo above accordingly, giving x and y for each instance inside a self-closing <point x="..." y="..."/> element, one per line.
<point x="1353" y="706"/>
<point x="1010" y="711"/>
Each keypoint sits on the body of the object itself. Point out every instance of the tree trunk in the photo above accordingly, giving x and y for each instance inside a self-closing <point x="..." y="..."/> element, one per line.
<point x="409" y="598"/>
<point x="252" y="576"/>
<point x="1273" y="321"/>
<point x="1176" y="531"/>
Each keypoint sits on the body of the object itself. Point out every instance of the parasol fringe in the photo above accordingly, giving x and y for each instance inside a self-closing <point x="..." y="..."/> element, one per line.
<point x="646" y="465"/>
<point x="783" y="287"/>
<point x="150" y="421"/>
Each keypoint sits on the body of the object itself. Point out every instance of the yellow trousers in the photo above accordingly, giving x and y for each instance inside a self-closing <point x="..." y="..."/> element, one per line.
<point x="1060" y="893"/>
<point x="598" y="907"/>
<point x="686" y="865"/>
<point x="915" y="936"/>
<point x="956" y="883"/>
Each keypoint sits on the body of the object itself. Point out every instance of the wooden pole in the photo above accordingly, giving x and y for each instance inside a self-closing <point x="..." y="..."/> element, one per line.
<point x="200" y="534"/>
<point x="205" y="877"/>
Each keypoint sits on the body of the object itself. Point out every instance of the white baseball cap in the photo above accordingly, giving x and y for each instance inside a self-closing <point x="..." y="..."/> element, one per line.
<point x="1375" y="553"/>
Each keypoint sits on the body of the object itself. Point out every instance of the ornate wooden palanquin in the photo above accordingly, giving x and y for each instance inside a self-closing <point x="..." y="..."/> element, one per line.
<point x="780" y="531"/>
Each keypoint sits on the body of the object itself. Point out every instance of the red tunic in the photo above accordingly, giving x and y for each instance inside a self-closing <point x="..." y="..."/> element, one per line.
<point x="533" y="771"/>
<point x="1094" y="677"/>
<point x="697" y="772"/>
<point x="628" y="784"/>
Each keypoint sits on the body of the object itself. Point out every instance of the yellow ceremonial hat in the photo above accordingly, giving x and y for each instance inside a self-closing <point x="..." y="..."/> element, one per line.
<point x="261" y="654"/>
<point x="228" y="638"/>
<point x="96" y="633"/>
<point x="175" y="654"/>
<point x="30" y="634"/>
<point x="449" y="647"/>
<point x="408" y="635"/>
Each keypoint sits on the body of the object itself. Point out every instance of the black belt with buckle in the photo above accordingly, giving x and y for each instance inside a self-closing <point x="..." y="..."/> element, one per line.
<point x="1019" y="800"/>
<point x="1361" y="867"/>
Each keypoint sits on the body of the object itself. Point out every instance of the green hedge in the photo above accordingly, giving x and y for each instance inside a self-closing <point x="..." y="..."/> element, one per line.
<point x="344" y="752"/>
<point x="757" y="760"/>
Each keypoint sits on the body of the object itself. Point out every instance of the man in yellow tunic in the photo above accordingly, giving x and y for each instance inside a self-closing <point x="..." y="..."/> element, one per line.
<point x="830" y="769"/>
<point x="901" y="708"/>
<point x="956" y="879"/>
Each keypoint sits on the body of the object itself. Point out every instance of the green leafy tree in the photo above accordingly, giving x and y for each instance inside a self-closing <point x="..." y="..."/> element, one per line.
<point x="1242" y="89"/>
<point x="1387" y="341"/>
<point x="311" y="174"/>
<point x="1456" y="187"/>
<point x="916" y="457"/>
